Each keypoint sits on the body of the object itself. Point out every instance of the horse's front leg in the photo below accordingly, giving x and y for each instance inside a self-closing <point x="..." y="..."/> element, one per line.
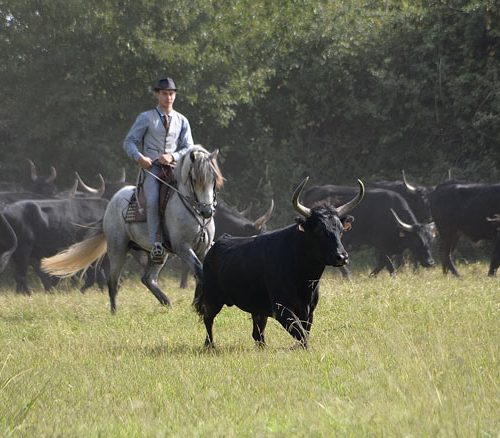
<point x="150" y="280"/>
<point x="189" y="257"/>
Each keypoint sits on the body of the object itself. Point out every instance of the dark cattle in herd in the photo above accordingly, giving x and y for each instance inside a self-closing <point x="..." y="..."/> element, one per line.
<point x="417" y="197"/>
<point x="38" y="187"/>
<point x="468" y="209"/>
<point x="384" y="221"/>
<point x="229" y="221"/>
<point x="41" y="228"/>
<point x="275" y="274"/>
<point x="40" y="184"/>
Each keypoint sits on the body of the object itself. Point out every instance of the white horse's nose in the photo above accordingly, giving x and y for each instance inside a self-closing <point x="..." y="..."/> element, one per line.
<point x="207" y="211"/>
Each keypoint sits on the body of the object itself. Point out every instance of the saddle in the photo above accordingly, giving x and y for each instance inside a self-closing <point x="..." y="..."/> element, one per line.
<point x="136" y="209"/>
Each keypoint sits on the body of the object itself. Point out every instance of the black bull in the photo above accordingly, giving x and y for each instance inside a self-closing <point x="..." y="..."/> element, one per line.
<point x="31" y="230"/>
<point x="275" y="274"/>
<point x="384" y="221"/>
<point x="469" y="209"/>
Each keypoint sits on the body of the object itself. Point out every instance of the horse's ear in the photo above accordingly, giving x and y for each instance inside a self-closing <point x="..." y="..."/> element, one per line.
<point x="213" y="155"/>
<point x="192" y="156"/>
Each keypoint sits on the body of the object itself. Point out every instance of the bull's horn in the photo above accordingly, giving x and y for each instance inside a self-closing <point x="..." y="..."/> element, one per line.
<point x="123" y="175"/>
<point x="97" y="192"/>
<point x="304" y="211"/>
<point x="260" y="222"/>
<point x="72" y="191"/>
<point x="494" y="218"/>
<point x="246" y="211"/>
<point x="32" y="169"/>
<point x="102" y="189"/>
<point x="342" y="210"/>
<point x="403" y="225"/>
<point x="409" y="187"/>
<point x="52" y="176"/>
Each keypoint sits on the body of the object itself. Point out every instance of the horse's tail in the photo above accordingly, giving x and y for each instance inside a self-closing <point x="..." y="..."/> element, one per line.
<point x="198" y="301"/>
<point x="77" y="257"/>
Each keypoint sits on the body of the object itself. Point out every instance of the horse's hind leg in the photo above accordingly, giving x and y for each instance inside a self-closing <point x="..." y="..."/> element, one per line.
<point x="117" y="255"/>
<point x="150" y="280"/>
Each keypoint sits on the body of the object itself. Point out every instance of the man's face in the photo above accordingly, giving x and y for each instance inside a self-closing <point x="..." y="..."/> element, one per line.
<point x="165" y="98"/>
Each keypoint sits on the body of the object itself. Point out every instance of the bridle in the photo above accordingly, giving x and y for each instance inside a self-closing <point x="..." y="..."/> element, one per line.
<point x="192" y="203"/>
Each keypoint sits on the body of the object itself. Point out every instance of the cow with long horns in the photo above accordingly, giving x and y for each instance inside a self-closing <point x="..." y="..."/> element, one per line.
<point x="275" y="274"/>
<point x="384" y="221"/>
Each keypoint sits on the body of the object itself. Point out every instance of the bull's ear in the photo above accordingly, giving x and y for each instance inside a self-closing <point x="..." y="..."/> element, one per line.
<point x="347" y="222"/>
<point x="300" y="227"/>
<point x="402" y="234"/>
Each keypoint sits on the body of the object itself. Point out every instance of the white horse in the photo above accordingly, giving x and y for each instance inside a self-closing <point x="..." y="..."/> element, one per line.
<point x="187" y="223"/>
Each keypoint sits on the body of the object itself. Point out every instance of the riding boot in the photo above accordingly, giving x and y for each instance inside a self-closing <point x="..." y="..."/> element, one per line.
<point x="158" y="252"/>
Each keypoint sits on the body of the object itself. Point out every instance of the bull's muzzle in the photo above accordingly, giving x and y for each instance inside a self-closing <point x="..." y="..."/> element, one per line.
<point x="341" y="259"/>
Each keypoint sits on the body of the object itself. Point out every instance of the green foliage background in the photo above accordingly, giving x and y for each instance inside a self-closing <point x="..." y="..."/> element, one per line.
<point x="336" y="90"/>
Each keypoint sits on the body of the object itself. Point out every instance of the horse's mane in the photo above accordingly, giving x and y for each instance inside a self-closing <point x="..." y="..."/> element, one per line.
<point x="204" y="167"/>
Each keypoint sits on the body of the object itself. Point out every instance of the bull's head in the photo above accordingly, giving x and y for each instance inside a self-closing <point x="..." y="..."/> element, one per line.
<point x="323" y="227"/>
<point x="418" y="238"/>
<point x="44" y="186"/>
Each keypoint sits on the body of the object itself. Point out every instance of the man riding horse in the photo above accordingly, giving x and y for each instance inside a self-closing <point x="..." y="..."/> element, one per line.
<point x="156" y="141"/>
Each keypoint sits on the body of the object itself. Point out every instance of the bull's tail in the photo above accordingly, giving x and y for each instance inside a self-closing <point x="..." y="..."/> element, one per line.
<point x="198" y="301"/>
<point x="77" y="257"/>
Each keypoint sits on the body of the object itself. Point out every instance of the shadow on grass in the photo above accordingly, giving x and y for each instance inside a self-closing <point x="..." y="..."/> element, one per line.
<point x="165" y="350"/>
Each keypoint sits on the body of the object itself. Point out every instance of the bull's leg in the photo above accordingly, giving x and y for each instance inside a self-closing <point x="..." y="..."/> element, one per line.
<point x="20" y="266"/>
<point x="446" y="248"/>
<point x="259" y="325"/>
<point x="210" y="312"/>
<point x="150" y="280"/>
<point x="495" y="258"/>
<point x="292" y="324"/>
<point x="98" y="273"/>
<point x="382" y="261"/>
<point x="399" y="260"/>
<point x="89" y="278"/>
<point x="48" y="281"/>
<point x="389" y="265"/>
<point x="310" y="310"/>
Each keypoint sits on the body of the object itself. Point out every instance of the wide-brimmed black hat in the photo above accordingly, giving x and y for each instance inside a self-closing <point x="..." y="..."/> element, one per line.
<point x="165" y="84"/>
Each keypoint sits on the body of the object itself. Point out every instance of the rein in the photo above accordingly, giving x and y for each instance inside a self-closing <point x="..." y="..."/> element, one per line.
<point x="192" y="205"/>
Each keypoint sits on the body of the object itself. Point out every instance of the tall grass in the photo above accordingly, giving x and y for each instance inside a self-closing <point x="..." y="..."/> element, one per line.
<point x="414" y="355"/>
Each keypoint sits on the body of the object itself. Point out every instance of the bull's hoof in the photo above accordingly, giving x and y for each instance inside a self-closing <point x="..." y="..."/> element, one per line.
<point x="208" y="345"/>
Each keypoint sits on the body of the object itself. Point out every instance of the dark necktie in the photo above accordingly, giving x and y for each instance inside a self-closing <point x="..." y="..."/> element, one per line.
<point x="165" y="122"/>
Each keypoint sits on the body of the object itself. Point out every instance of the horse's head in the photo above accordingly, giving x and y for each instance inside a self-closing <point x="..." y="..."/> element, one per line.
<point x="198" y="176"/>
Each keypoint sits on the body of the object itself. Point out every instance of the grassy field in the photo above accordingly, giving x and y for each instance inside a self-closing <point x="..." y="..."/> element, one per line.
<point x="414" y="355"/>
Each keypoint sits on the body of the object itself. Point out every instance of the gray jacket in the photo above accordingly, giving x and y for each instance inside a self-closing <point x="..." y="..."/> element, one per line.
<point x="149" y="137"/>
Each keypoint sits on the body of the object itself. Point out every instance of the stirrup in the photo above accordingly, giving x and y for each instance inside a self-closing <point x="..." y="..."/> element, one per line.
<point x="158" y="253"/>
